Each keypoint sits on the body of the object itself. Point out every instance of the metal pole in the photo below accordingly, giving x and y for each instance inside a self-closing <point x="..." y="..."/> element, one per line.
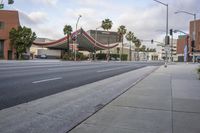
<point x="166" y="30"/>
<point x="76" y="38"/>
<point x="130" y="52"/>
<point x="194" y="38"/>
<point x="95" y="44"/>
<point x="172" y="44"/>
<point x="166" y="36"/>
<point x="167" y="21"/>
<point x="108" y="51"/>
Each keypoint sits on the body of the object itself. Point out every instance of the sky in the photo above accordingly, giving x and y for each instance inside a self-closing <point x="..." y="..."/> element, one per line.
<point x="146" y="18"/>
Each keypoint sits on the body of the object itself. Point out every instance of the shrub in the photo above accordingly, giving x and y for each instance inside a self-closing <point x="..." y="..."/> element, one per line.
<point x="79" y="56"/>
<point x="198" y="71"/>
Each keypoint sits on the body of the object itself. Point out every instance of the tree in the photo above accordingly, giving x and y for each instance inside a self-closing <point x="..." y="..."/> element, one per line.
<point x="9" y="2"/>
<point x="143" y="48"/>
<point x="129" y="37"/>
<point x="122" y="31"/>
<point x="137" y="43"/>
<point x="107" y="25"/>
<point x="67" y="31"/>
<point x="21" y="39"/>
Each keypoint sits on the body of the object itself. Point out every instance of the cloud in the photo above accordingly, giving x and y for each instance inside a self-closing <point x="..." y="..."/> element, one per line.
<point x="92" y="2"/>
<point x="38" y="17"/>
<point x="33" y="18"/>
<point x="38" y="22"/>
<point x="47" y="2"/>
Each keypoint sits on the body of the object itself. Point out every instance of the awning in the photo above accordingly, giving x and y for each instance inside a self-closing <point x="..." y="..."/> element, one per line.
<point x="83" y="39"/>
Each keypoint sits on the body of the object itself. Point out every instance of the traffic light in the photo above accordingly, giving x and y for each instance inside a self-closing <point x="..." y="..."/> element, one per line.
<point x="10" y="1"/>
<point x="167" y="39"/>
<point x="1" y="6"/>
<point x="152" y="41"/>
<point x="192" y="43"/>
<point x="171" y="32"/>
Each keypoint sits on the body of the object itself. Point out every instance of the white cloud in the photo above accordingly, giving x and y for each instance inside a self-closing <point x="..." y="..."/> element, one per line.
<point x="33" y="18"/>
<point x="46" y="2"/>
<point x="38" y="17"/>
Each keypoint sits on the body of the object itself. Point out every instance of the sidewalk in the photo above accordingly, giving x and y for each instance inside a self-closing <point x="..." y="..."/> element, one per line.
<point x="167" y="101"/>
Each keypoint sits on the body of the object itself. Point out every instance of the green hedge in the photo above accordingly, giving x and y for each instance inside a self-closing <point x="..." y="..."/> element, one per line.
<point x="79" y="56"/>
<point x="125" y="57"/>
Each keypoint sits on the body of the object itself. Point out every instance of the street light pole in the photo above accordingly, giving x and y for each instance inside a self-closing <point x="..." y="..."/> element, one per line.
<point x="193" y="33"/>
<point x="76" y="38"/>
<point x="167" y="25"/>
<point x="95" y="42"/>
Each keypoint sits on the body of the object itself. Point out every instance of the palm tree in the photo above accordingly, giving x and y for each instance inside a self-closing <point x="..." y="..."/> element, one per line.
<point x="129" y="37"/>
<point x="107" y="25"/>
<point x="122" y="31"/>
<point x="143" y="48"/>
<point x="67" y="31"/>
<point x="137" y="43"/>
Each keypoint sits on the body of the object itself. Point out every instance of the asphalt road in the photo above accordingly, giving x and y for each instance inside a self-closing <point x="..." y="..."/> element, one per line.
<point x="22" y="82"/>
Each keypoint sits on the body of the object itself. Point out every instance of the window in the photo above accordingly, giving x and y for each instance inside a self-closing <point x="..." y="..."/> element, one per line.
<point x="1" y="48"/>
<point x="2" y="24"/>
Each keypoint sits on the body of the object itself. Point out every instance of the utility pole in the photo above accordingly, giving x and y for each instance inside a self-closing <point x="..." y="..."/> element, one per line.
<point x="167" y="23"/>
<point x="76" y="38"/>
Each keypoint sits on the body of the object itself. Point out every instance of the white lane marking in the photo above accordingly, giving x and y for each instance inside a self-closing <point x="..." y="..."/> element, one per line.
<point x="73" y="68"/>
<point x="111" y="69"/>
<point x="46" y="80"/>
<point x="8" y="68"/>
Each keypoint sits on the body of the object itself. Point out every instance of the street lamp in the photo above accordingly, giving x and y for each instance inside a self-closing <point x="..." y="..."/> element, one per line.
<point x="194" y="32"/>
<point x="166" y="37"/>
<point x="96" y="42"/>
<point x="175" y="31"/>
<point x="76" y="38"/>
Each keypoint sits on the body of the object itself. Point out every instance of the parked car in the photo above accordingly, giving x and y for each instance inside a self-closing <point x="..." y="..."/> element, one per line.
<point x="198" y="59"/>
<point x="25" y="56"/>
<point x="43" y="56"/>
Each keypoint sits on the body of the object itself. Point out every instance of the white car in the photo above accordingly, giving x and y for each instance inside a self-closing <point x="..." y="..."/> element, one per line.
<point x="43" y="56"/>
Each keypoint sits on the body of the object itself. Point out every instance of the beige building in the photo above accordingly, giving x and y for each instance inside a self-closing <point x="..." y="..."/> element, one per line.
<point x="38" y="51"/>
<point x="171" y="51"/>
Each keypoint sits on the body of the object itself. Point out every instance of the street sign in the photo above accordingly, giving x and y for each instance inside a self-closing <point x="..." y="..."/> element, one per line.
<point x="167" y="49"/>
<point x="10" y="1"/>
<point x="1" y="6"/>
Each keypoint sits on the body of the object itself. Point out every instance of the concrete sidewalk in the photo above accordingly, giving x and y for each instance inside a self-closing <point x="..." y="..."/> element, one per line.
<point x="167" y="101"/>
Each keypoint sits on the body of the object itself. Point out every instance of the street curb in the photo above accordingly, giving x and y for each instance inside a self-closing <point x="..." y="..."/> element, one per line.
<point x="128" y="88"/>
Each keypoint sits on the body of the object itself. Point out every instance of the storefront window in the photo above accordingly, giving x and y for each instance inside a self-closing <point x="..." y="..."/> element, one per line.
<point x="2" y="25"/>
<point x="1" y="49"/>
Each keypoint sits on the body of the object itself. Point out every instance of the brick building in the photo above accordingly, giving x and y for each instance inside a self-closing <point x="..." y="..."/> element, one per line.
<point x="197" y="36"/>
<point x="8" y="20"/>
<point x="181" y="44"/>
<point x="182" y="41"/>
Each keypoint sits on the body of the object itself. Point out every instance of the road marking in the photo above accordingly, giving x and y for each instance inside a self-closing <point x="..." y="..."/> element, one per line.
<point x="8" y="68"/>
<point x="46" y="80"/>
<point x="105" y="70"/>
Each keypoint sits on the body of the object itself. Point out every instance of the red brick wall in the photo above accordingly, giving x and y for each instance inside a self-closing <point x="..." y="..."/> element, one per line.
<point x="11" y="20"/>
<point x="181" y="41"/>
<point x="197" y="37"/>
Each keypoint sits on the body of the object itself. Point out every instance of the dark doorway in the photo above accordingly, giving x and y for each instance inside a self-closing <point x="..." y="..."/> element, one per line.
<point x="1" y="49"/>
<point x="9" y="54"/>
